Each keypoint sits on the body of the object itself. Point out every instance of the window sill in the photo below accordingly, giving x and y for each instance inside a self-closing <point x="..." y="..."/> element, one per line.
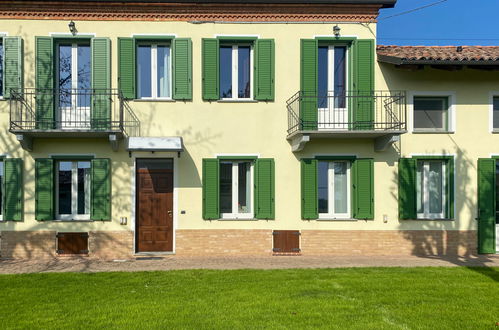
<point x="338" y="219"/>
<point x="154" y="100"/>
<point x="60" y="220"/>
<point x="236" y="219"/>
<point x="429" y="219"/>
<point x="495" y="131"/>
<point x="237" y="101"/>
<point x="433" y="132"/>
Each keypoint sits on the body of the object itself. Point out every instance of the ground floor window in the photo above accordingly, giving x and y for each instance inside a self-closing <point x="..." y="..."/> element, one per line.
<point x="333" y="182"/>
<point x="73" y="190"/>
<point x="236" y="189"/>
<point x="431" y="189"/>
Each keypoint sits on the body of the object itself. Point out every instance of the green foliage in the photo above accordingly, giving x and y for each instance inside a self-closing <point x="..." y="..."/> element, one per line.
<point x="355" y="298"/>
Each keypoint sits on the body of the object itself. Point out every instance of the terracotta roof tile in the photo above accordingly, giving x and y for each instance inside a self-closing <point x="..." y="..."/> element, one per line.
<point x="406" y="54"/>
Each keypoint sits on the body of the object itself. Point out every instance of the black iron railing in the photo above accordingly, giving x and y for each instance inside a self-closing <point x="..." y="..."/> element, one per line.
<point x="347" y="111"/>
<point x="47" y="109"/>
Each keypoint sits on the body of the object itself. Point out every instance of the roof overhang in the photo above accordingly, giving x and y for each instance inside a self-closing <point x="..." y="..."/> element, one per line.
<point x="157" y="144"/>
<point x="403" y="61"/>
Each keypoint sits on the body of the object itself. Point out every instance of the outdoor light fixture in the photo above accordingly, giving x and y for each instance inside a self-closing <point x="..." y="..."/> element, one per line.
<point x="72" y="28"/>
<point x="336" y="30"/>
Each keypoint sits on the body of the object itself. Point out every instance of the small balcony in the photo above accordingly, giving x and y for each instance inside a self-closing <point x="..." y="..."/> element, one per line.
<point x="73" y="113"/>
<point x="376" y="115"/>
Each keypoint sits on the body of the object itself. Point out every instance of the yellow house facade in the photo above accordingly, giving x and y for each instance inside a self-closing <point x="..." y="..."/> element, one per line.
<point x="223" y="128"/>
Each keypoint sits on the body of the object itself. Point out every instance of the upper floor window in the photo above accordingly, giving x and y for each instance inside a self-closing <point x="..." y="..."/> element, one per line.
<point x="431" y="113"/>
<point x="73" y="76"/>
<point x="153" y="71"/>
<point x="235" y="71"/>
<point x="495" y="113"/>
<point x="238" y="69"/>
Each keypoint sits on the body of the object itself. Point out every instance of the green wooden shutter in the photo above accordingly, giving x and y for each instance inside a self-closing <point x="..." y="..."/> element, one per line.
<point x="44" y="189"/>
<point x="101" y="83"/>
<point x="210" y="69"/>
<point x="309" y="202"/>
<point x="363" y="112"/>
<point x="100" y="192"/>
<point x="182" y="69"/>
<point x="308" y="83"/>
<point x="44" y="84"/>
<point x="363" y="189"/>
<point x="407" y="188"/>
<point x="126" y="67"/>
<point x="486" y="206"/>
<point x="264" y="188"/>
<point x="13" y="65"/>
<point x="211" y="184"/>
<point x="13" y="207"/>
<point x="450" y="188"/>
<point x="264" y="69"/>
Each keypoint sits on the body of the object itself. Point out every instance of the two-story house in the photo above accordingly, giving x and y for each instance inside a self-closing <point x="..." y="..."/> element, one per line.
<point x="226" y="127"/>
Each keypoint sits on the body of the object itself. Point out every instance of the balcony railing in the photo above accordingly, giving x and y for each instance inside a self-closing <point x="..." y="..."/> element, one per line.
<point x="374" y="112"/>
<point x="59" y="112"/>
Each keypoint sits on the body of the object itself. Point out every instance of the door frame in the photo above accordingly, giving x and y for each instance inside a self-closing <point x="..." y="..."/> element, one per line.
<point x="133" y="219"/>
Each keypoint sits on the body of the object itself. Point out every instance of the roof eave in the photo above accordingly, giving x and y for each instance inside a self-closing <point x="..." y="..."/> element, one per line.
<point x="401" y="61"/>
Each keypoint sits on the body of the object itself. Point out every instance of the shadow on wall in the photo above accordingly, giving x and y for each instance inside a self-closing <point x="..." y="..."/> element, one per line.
<point x="445" y="239"/>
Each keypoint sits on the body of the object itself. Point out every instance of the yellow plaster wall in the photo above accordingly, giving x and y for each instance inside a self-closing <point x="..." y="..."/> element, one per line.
<point x="259" y="128"/>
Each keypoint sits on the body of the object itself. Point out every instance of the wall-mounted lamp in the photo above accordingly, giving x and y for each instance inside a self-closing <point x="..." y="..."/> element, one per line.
<point x="72" y="28"/>
<point x="336" y="30"/>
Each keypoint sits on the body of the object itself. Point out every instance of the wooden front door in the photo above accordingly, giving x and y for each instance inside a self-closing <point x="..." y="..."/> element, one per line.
<point x="154" y="205"/>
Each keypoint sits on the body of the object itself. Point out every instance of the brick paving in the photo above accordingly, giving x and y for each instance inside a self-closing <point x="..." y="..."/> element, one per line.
<point x="16" y="266"/>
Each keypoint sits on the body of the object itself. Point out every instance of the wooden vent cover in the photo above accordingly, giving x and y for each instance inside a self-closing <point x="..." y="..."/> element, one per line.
<point x="72" y="243"/>
<point x="286" y="241"/>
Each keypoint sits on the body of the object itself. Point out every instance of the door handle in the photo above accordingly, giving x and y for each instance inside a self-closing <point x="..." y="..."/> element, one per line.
<point x="169" y="213"/>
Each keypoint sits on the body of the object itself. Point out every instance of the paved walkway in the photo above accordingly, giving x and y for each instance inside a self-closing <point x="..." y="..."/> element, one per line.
<point x="275" y="262"/>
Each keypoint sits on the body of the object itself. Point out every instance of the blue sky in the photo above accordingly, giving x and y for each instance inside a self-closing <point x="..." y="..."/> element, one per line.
<point x="454" y="22"/>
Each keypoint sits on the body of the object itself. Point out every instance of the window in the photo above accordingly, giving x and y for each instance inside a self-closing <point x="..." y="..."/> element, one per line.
<point x="73" y="190"/>
<point x="235" y="72"/>
<point x="495" y="113"/>
<point x="236" y="193"/>
<point x="154" y="71"/>
<point x="431" y="189"/>
<point x="431" y="113"/>
<point x="333" y="189"/>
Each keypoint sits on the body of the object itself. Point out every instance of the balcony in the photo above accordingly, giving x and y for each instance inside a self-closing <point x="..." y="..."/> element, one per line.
<point x="74" y="113"/>
<point x="376" y="115"/>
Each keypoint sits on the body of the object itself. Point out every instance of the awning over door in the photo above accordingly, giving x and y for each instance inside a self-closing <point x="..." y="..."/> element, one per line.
<point x="170" y="144"/>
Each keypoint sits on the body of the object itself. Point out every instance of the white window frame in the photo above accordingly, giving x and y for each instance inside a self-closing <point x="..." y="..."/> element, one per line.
<point x="331" y="214"/>
<point x="426" y="197"/>
<point x="74" y="192"/>
<point x="451" y="115"/>
<point x="235" y="182"/>
<point x="154" y="71"/>
<point x="343" y="125"/>
<point x="235" y="73"/>
<point x="492" y="129"/>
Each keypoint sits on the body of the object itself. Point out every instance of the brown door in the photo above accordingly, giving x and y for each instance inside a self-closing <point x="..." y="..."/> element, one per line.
<point x="154" y="205"/>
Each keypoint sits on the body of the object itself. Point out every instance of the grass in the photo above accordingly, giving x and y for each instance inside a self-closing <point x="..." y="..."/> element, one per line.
<point x="360" y="298"/>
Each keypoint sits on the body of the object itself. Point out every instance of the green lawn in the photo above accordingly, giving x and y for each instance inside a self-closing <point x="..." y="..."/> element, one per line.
<point x="362" y="298"/>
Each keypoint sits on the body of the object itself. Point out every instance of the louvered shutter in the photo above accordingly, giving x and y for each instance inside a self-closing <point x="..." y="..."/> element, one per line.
<point x="13" y="65"/>
<point x="13" y="188"/>
<point x="486" y="206"/>
<point x="363" y="189"/>
<point x="182" y="69"/>
<point x="264" y="188"/>
<point x="407" y="188"/>
<point x="101" y="83"/>
<point x="211" y="184"/>
<point x="308" y="82"/>
<point x="264" y="70"/>
<point x="210" y="50"/>
<point x="100" y="191"/>
<point x="309" y="202"/>
<point x="126" y="67"/>
<point x="363" y="112"/>
<point x="44" y="189"/>
<point x="44" y="82"/>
